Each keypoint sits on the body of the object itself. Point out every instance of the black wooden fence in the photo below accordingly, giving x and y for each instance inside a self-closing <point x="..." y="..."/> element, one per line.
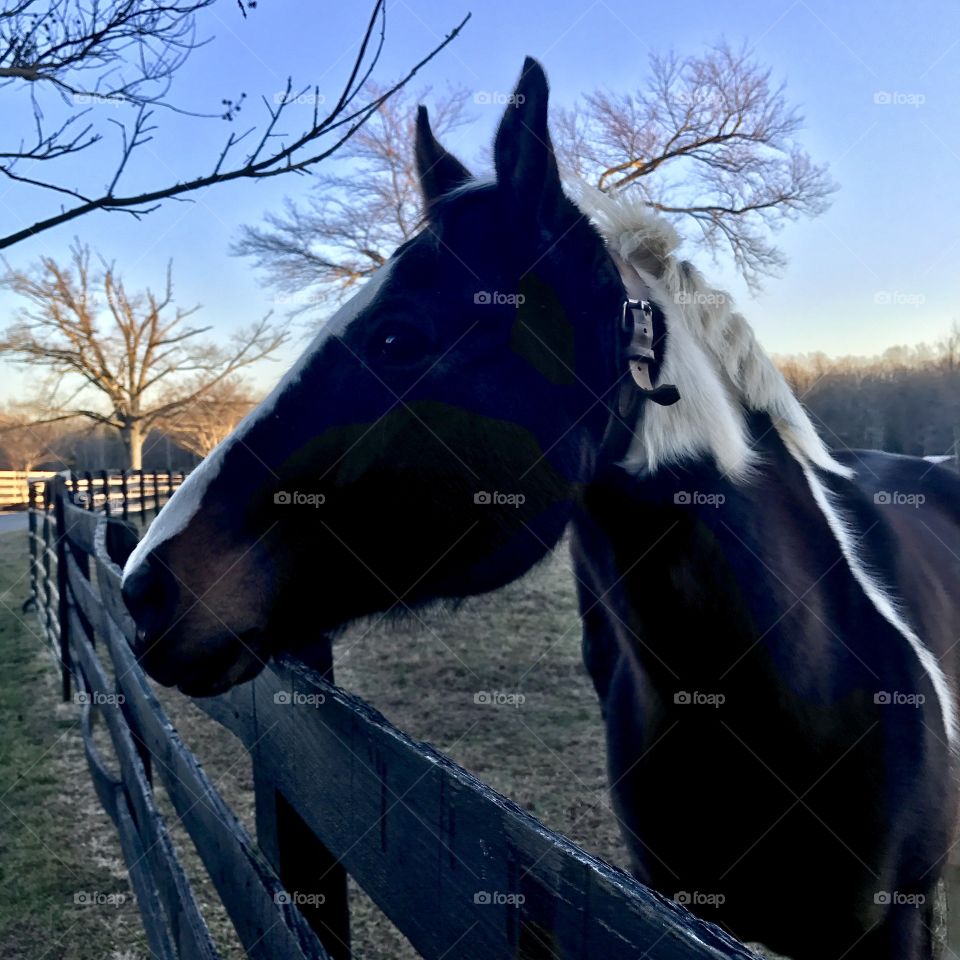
<point x="460" y="870"/>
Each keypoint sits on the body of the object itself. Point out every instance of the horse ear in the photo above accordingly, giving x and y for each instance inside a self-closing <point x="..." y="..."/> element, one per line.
<point x="439" y="172"/>
<point x="523" y="154"/>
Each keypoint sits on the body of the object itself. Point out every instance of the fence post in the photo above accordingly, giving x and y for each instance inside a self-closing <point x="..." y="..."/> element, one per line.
<point x="58" y="487"/>
<point x="89" y="478"/>
<point x="32" y="526"/>
<point x="82" y="558"/>
<point x="124" y="494"/>
<point x="47" y="585"/>
<point x="105" y="481"/>
<point x="156" y="493"/>
<point x="302" y="862"/>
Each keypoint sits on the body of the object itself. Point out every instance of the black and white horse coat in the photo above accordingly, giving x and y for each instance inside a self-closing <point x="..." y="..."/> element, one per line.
<point x="772" y="629"/>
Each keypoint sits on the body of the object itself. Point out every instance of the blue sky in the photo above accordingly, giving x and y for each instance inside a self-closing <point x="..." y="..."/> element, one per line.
<point x="892" y="234"/>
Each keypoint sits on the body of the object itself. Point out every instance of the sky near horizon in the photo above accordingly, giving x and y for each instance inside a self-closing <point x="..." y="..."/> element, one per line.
<point x="877" y="83"/>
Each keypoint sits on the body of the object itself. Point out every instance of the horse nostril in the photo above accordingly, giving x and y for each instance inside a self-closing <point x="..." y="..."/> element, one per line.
<point x="150" y="593"/>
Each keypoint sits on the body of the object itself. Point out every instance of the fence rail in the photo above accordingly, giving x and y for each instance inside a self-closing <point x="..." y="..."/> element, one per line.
<point x="459" y="869"/>
<point x="15" y="485"/>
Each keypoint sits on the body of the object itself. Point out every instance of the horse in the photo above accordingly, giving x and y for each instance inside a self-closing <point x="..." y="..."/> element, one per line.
<point x="770" y="627"/>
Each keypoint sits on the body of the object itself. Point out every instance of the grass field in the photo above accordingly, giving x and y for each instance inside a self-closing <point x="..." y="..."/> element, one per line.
<point x="544" y="749"/>
<point x="63" y="885"/>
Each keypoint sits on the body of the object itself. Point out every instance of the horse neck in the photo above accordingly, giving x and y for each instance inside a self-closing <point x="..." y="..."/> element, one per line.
<point x="678" y="564"/>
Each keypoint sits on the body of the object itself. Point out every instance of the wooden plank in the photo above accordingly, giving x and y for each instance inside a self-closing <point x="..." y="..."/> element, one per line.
<point x="188" y="929"/>
<point x="104" y="785"/>
<point x="113" y="800"/>
<point x="108" y="583"/>
<point x="233" y="710"/>
<point x="84" y="595"/>
<point x="303" y="863"/>
<point x="459" y="869"/>
<point x="80" y="526"/>
<point x="156" y="923"/>
<point x="267" y="922"/>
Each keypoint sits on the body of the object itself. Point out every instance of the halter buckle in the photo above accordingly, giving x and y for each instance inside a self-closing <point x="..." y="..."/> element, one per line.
<point x="636" y="318"/>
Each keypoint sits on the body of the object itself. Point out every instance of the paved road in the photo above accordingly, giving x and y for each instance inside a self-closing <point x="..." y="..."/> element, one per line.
<point x="9" y="522"/>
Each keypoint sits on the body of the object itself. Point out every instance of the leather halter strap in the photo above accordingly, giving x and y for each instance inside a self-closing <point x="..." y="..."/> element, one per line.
<point x="636" y="318"/>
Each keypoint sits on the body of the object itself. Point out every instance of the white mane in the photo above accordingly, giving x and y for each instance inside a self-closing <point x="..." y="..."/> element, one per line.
<point x="713" y="356"/>
<point x="721" y="372"/>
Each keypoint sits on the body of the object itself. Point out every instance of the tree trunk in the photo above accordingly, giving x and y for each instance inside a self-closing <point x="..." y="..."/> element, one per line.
<point x="133" y="441"/>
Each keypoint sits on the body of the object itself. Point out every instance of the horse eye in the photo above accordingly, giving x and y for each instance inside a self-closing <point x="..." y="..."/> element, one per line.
<point x="404" y="347"/>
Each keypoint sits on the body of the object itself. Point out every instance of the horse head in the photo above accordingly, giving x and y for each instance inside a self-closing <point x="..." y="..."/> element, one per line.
<point x="430" y="443"/>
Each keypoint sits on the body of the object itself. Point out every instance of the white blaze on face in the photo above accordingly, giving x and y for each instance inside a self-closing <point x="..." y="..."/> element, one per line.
<point x="184" y="504"/>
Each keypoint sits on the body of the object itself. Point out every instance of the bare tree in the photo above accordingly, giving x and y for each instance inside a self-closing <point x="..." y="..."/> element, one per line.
<point x="709" y="140"/>
<point x="74" y="62"/>
<point x="28" y="440"/>
<point x="948" y="348"/>
<point x="211" y="418"/>
<point x="127" y="360"/>
<point x="318" y="251"/>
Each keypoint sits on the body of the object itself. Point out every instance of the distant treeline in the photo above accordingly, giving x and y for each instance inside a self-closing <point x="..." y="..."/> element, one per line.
<point x="59" y="446"/>
<point x="904" y="401"/>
